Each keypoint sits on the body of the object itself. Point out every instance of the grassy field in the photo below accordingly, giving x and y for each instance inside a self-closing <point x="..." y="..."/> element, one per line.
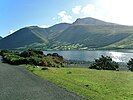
<point x="92" y="84"/>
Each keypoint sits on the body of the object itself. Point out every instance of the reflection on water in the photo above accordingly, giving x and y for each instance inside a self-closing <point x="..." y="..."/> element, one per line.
<point x="122" y="56"/>
<point x="0" y="58"/>
<point x="117" y="56"/>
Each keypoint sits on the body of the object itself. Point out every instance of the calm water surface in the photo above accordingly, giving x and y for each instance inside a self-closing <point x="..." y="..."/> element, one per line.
<point x="118" y="56"/>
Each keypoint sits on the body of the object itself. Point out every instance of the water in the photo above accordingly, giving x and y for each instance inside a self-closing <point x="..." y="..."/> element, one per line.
<point x="118" y="56"/>
<point x="0" y="58"/>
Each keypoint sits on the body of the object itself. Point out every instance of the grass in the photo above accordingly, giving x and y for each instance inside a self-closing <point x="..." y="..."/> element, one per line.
<point x="92" y="84"/>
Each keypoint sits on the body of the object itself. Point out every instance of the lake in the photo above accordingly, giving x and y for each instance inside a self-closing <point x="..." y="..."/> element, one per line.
<point x="117" y="55"/>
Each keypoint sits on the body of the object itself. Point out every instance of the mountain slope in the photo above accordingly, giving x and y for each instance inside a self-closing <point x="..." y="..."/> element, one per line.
<point x="55" y="30"/>
<point x="0" y="37"/>
<point x="125" y="43"/>
<point x="94" y="36"/>
<point x="23" y="37"/>
<point x="94" y="33"/>
<point x="32" y="36"/>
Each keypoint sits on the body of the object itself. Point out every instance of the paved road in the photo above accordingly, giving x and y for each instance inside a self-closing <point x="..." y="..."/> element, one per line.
<point x="16" y="83"/>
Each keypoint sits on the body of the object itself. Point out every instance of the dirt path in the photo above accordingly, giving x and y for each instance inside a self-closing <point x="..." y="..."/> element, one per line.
<point x="16" y="83"/>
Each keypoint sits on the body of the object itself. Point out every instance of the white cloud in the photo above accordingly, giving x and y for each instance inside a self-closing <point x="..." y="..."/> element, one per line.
<point x="76" y="9"/>
<point x="118" y="11"/>
<point x="65" y="17"/>
<point x="53" y="18"/>
<point x="88" y="9"/>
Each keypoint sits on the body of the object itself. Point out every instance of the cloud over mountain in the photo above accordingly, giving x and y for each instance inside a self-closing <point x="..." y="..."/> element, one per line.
<point x="65" y="17"/>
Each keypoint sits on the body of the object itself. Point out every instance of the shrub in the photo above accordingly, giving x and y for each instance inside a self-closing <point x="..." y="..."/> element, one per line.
<point x="31" y="52"/>
<point x="69" y="72"/>
<point x="34" y="60"/>
<point x="104" y="63"/>
<point x="4" y="51"/>
<point x="32" y="57"/>
<point x="44" y="68"/>
<point x="56" y="55"/>
<point x="13" y="59"/>
<point x="130" y="64"/>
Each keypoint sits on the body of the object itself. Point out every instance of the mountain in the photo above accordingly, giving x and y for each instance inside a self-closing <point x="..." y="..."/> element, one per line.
<point x="32" y="35"/>
<point x="0" y="37"/>
<point x="94" y="33"/>
<point x="83" y="33"/>
<point x="24" y="37"/>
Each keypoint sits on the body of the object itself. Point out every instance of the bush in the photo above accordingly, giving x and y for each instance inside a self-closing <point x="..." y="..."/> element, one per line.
<point x="32" y="57"/>
<point x="104" y="63"/>
<point x="4" y="51"/>
<point x="56" y="55"/>
<point x="130" y="64"/>
<point x="44" y="68"/>
<point x="31" y="52"/>
<point x="34" y="60"/>
<point x="13" y="59"/>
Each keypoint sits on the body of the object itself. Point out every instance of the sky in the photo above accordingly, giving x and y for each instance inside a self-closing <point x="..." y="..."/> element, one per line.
<point x="16" y="14"/>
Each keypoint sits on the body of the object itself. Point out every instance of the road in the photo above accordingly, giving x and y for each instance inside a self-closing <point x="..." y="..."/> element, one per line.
<point x="17" y="83"/>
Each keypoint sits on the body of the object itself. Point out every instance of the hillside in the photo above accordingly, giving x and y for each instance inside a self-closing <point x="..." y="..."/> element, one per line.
<point x="24" y="37"/>
<point x="56" y="30"/>
<point x="93" y="33"/>
<point x="83" y="33"/>
<point x="94" y="36"/>
<point x="32" y="36"/>
<point x="125" y="43"/>
<point x="0" y="37"/>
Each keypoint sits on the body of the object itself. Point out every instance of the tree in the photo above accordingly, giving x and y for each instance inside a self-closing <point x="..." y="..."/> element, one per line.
<point x="130" y="64"/>
<point x="104" y="63"/>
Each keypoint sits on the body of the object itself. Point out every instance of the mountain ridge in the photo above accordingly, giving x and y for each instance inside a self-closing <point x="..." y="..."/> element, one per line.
<point x="91" y="21"/>
<point x="86" y="32"/>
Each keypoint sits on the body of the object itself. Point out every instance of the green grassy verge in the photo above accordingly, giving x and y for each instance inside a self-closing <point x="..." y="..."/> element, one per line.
<point x="92" y="84"/>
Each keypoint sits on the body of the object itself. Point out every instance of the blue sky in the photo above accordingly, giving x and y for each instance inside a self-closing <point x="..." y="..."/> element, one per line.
<point x="15" y="14"/>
